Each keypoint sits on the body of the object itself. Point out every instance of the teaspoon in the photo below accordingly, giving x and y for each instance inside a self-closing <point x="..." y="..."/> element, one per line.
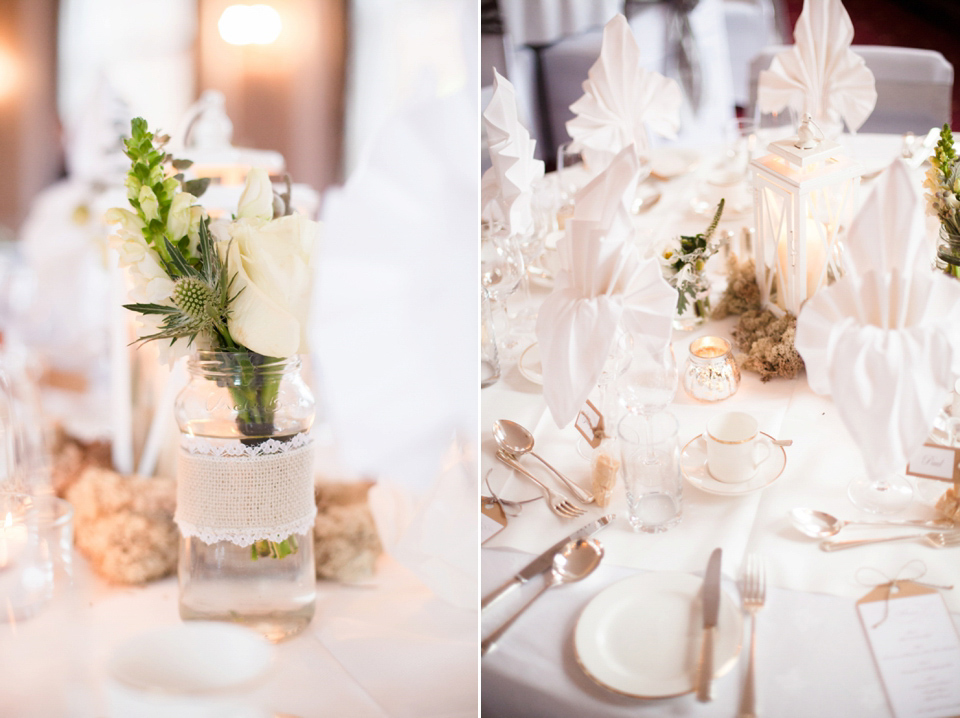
<point x="575" y="561"/>
<point x="819" y="524"/>
<point x="516" y="441"/>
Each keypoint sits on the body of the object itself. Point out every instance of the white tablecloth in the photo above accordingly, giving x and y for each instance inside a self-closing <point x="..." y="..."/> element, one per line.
<point x="813" y="592"/>
<point x="388" y="649"/>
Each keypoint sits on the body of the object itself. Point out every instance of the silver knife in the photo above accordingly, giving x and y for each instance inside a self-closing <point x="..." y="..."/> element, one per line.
<point x="542" y="562"/>
<point x="711" y="608"/>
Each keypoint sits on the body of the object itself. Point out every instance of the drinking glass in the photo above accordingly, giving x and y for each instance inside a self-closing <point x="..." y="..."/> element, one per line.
<point x="649" y="383"/>
<point x="25" y="463"/>
<point x="501" y="271"/>
<point x="650" y="463"/>
<point x="489" y="360"/>
<point x="727" y="176"/>
<point x="36" y="553"/>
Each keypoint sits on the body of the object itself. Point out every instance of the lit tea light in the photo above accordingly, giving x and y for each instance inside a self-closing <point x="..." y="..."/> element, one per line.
<point x="711" y="374"/>
<point x="13" y="540"/>
<point x="710" y="347"/>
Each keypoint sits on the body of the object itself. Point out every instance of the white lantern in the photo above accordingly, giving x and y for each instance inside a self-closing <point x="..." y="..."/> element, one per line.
<point x="804" y="199"/>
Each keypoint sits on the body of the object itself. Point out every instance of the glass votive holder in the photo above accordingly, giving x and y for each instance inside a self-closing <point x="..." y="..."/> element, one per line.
<point x="710" y="373"/>
<point x="36" y="553"/>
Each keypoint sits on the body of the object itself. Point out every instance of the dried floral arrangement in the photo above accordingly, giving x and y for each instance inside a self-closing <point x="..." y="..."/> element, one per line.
<point x="346" y="543"/>
<point x="124" y="526"/>
<point x="765" y="340"/>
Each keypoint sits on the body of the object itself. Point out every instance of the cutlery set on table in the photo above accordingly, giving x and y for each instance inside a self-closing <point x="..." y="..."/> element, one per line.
<point x="513" y="441"/>
<point x="940" y="533"/>
<point x="636" y="611"/>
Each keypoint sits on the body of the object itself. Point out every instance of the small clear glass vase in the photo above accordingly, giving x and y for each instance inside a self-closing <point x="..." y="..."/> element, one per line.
<point x="948" y="252"/>
<point x="693" y="300"/>
<point x="245" y="502"/>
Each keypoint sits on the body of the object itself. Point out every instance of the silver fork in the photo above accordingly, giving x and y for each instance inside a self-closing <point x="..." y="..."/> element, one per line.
<point x="753" y="592"/>
<point x="558" y="503"/>
<point x="937" y="539"/>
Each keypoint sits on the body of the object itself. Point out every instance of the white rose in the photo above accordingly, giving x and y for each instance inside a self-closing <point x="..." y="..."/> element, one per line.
<point x="273" y="267"/>
<point x="256" y="202"/>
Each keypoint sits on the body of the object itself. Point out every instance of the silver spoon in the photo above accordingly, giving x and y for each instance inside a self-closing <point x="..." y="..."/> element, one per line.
<point x="575" y="561"/>
<point x="516" y="441"/>
<point x="819" y="524"/>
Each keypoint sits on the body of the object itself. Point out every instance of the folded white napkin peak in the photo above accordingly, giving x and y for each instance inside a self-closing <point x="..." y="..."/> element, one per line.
<point x="820" y="75"/>
<point x="621" y="100"/>
<point x="507" y="187"/>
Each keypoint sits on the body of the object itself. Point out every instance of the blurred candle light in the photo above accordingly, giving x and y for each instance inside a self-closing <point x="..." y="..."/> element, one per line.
<point x="250" y="25"/>
<point x="9" y="73"/>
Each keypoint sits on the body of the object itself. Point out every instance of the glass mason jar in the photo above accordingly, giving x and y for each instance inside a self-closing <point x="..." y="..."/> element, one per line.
<point x="948" y="252"/>
<point x="245" y="503"/>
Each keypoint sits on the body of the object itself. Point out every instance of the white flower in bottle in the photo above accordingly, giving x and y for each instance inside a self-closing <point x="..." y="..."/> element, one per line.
<point x="179" y="217"/>
<point x="271" y="264"/>
<point x="256" y="202"/>
<point x="149" y="204"/>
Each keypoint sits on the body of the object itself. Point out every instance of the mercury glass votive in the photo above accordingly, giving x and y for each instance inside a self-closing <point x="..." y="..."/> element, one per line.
<point x="710" y="374"/>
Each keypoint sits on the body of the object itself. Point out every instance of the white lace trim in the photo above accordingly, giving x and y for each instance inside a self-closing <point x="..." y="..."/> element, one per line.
<point x="227" y="491"/>
<point x="247" y="538"/>
<point x="235" y="447"/>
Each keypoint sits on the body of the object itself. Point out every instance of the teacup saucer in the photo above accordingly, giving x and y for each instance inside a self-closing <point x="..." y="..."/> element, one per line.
<point x="529" y="364"/>
<point x="693" y="464"/>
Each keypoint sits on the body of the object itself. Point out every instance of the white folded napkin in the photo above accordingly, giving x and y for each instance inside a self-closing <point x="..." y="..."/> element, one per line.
<point x="507" y="187"/>
<point x="621" y="100"/>
<point x="889" y="231"/>
<point x="603" y="282"/>
<point x="885" y="346"/>
<point x="820" y="75"/>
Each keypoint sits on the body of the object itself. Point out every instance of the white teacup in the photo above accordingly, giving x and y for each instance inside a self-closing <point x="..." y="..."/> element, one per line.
<point x="735" y="447"/>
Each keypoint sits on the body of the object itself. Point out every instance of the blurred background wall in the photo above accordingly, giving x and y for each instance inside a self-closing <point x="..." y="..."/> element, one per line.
<point x="157" y="56"/>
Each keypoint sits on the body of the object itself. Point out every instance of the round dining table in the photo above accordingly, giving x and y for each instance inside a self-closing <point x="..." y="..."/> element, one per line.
<point x="813" y="657"/>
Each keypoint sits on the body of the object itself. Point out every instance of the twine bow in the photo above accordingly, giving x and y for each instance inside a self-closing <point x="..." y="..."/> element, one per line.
<point x="910" y="571"/>
<point x="509" y="508"/>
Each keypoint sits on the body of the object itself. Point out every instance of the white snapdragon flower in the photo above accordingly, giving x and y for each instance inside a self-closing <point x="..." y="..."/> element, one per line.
<point x="149" y="204"/>
<point x="149" y="279"/>
<point x="179" y="218"/>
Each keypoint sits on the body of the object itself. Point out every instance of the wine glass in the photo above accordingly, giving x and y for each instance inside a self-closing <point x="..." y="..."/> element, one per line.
<point x="501" y="271"/>
<point x="617" y="362"/>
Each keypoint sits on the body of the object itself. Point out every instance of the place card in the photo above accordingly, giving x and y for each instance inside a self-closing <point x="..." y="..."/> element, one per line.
<point x="492" y="518"/>
<point x="590" y="424"/>
<point x="916" y="648"/>
<point x="934" y="461"/>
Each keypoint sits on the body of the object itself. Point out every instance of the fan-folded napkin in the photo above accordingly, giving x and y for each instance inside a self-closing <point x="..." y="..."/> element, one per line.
<point x="603" y="282"/>
<point x="889" y="231"/>
<point x="507" y="187"/>
<point x="621" y="100"/>
<point x="885" y="346"/>
<point x="820" y="74"/>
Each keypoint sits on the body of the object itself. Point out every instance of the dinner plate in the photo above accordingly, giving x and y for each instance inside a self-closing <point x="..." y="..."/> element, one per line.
<point x="693" y="464"/>
<point x="670" y="162"/>
<point x="641" y="636"/>
<point x="529" y="364"/>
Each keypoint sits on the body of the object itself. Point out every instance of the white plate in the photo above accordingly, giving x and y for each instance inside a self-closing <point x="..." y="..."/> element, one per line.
<point x="693" y="464"/>
<point x="670" y="162"/>
<point x="529" y="364"/>
<point x="641" y="636"/>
